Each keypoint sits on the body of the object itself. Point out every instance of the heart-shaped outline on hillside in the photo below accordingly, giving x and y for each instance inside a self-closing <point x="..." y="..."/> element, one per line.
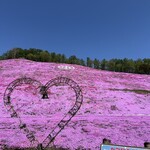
<point x="43" y="90"/>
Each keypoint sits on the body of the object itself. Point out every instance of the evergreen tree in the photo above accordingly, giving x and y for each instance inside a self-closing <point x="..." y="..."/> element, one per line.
<point x="138" y="63"/>
<point x="96" y="64"/>
<point x="63" y="58"/>
<point x="89" y="62"/>
<point x="53" y="57"/>
<point x="82" y="62"/>
<point x="73" y="60"/>
<point x="112" y="65"/>
<point x="104" y="64"/>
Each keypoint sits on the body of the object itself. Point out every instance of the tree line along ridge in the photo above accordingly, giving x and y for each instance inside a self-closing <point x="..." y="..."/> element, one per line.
<point x="140" y="66"/>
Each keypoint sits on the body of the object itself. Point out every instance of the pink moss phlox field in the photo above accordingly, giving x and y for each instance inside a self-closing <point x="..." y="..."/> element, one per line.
<point x="112" y="108"/>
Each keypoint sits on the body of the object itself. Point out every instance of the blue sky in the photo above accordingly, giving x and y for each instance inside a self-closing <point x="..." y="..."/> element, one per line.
<point x="85" y="28"/>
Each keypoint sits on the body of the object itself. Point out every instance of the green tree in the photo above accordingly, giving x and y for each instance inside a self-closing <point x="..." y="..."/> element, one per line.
<point x="112" y="65"/>
<point x="73" y="60"/>
<point x="89" y="62"/>
<point x="13" y="53"/>
<point x="43" y="56"/>
<point x="104" y="64"/>
<point x="144" y="68"/>
<point x="53" y="57"/>
<point x="82" y="62"/>
<point x="63" y="58"/>
<point x="30" y="56"/>
<point x="138" y="63"/>
<point x="1" y="58"/>
<point x="96" y="64"/>
<point x="128" y="65"/>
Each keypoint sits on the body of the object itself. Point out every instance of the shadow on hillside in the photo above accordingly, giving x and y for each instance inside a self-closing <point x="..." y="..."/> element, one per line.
<point x="16" y="148"/>
<point x="133" y="90"/>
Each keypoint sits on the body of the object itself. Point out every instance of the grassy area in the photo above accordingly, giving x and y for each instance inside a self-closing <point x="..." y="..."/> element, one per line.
<point x="138" y="91"/>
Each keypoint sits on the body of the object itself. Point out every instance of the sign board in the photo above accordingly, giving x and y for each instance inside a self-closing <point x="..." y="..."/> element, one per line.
<point x="119" y="147"/>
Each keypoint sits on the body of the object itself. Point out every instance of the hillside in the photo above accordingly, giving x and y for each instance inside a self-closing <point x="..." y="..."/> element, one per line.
<point x="115" y="106"/>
